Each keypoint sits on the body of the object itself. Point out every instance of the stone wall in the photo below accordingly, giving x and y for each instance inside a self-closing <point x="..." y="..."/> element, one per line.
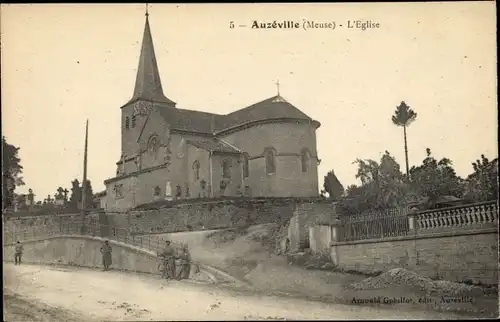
<point x="84" y="251"/>
<point x="199" y="216"/>
<point x="320" y="239"/>
<point x="306" y="215"/>
<point x="20" y="223"/>
<point x="287" y="139"/>
<point x="455" y="243"/>
<point x="191" y="217"/>
<point x="454" y="255"/>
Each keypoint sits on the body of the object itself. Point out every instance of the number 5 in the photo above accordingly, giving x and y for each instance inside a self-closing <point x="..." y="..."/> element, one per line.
<point x="231" y="24"/>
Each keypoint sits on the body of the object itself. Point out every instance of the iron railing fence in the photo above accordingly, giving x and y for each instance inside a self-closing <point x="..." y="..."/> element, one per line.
<point x="395" y="222"/>
<point x="153" y="243"/>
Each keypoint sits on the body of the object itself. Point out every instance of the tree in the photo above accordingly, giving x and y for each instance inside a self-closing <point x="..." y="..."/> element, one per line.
<point x="60" y="194"/>
<point x="435" y="178"/>
<point x="89" y="195"/>
<point x="404" y="116"/>
<point x="11" y="171"/>
<point x="482" y="184"/>
<point x="332" y="186"/>
<point x="382" y="186"/>
<point x="76" y="195"/>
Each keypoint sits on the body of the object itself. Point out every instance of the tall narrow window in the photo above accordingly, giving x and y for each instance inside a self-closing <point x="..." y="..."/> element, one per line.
<point x="118" y="191"/>
<point x="246" y="168"/>
<point x="270" y="161"/>
<point x="127" y="123"/>
<point x="133" y="120"/>
<point x="196" y="169"/>
<point x="153" y="144"/>
<point x="226" y="169"/>
<point x="305" y="160"/>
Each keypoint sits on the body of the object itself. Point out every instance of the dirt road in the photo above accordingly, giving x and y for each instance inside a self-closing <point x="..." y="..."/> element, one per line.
<point x="41" y="293"/>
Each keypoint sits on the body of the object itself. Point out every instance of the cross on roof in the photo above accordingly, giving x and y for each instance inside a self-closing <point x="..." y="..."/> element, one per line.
<point x="147" y="13"/>
<point x="278" y="86"/>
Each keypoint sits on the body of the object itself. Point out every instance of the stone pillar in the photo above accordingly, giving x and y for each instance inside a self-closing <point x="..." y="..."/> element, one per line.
<point x="335" y="233"/>
<point x="293" y="233"/>
<point x="412" y="222"/>
<point x="413" y="230"/>
<point x="312" y="238"/>
<point x="320" y="238"/>
<point x="168" y="191"/>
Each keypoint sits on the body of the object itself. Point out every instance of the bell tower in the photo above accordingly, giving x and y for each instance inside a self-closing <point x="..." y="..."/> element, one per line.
<point x="148" y="93"/>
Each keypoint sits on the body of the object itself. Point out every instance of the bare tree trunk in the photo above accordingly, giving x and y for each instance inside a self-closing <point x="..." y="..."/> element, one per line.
<point x="406" y="153"/>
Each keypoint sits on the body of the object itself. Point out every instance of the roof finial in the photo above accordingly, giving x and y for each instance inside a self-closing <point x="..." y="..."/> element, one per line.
<point x="147" y="13"/>
<point x="278" y="86"/>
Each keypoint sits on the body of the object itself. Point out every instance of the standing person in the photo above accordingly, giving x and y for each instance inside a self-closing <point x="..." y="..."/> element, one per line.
<point x="106" y="255"/>
<point x="180" y="263"/>
<point x="168" y="255"/>
<point x="186" y="263"/>
<point x="18" y="253"/>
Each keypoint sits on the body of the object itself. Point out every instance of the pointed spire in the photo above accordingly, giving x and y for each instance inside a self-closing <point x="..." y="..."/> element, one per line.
<point x="148" y="84"/>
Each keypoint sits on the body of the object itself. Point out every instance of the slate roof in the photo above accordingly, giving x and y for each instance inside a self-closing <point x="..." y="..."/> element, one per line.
<point x="148" y="83"/>
<point x="187" y="120"/>
<point x="148" y="87"/>
<point x="213" y="145"/>
<point x="202" y="122"/>
<point x="275" y="107"/>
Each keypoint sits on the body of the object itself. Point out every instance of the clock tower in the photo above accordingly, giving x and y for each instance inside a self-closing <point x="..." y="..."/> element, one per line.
<point x="148" y="95"/>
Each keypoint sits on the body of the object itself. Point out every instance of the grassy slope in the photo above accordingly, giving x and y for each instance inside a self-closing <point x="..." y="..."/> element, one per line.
<point x="249" y="254"/>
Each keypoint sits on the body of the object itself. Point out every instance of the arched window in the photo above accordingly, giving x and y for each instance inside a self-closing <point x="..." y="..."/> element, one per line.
<point x="153" y="144"/>
<point x="127" y="123"/>
<point x="196" y="169"/>
<point x="157" y="191"/>
<point x="226" y="168"/>
<point x="246" y="168"/>
<point x="270" y="161"/>
<point x="305" y="160"/>
<point x="133" y="120"/>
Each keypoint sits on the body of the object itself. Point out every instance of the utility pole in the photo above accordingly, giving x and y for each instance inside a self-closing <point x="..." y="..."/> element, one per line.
<point x="84" y="183"/>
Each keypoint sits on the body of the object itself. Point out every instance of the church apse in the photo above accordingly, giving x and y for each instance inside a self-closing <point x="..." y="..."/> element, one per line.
<point x="286" y="141"/>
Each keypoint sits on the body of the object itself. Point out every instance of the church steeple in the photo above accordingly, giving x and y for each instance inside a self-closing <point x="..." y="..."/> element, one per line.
<point x="148" y="83"/>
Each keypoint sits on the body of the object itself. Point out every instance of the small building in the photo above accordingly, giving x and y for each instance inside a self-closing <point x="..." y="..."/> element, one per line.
<point x="100" y="200"/>
<point x="441" y="202"/>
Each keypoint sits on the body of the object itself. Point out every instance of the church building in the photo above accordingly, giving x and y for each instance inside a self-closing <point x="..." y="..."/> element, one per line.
<point x="267" y="149"/>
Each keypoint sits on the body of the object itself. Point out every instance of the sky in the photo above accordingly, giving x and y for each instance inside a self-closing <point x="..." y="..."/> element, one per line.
<point x="64" y="63"/>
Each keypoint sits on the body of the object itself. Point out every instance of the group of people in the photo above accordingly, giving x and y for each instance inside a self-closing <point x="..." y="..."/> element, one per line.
<point x="175" y="264"/>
